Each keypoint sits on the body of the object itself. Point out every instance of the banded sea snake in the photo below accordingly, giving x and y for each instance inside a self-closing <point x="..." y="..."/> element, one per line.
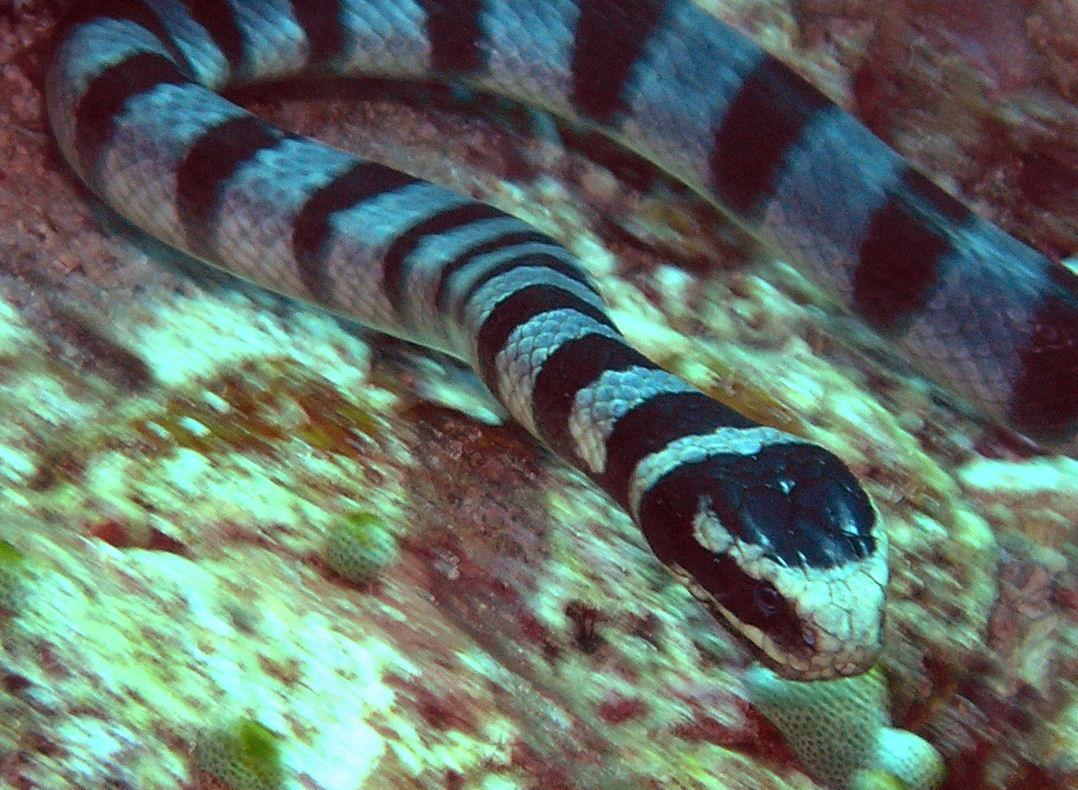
<point x="774" y="534"/>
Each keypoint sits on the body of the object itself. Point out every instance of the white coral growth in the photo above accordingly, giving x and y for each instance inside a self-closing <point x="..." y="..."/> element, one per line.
<point x="841" y="732"/>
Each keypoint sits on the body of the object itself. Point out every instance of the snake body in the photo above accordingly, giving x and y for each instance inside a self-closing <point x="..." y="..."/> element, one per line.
<point x="772" y="533"/>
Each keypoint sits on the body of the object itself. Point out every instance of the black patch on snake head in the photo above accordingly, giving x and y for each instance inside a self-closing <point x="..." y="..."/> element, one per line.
<point x="797" y="502"/>
<point x="794" y="504"/>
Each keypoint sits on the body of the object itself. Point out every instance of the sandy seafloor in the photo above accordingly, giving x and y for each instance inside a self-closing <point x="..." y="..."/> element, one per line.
<point x="175" y="448"/>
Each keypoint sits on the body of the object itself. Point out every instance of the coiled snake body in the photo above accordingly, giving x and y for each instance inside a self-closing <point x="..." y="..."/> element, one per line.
<point x="774" y="534"/>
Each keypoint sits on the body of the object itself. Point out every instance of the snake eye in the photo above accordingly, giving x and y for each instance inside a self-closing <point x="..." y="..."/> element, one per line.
<point x="768" y="600"/>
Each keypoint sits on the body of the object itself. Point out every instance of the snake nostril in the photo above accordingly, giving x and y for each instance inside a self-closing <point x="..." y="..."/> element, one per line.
<point x="768" y="601"/>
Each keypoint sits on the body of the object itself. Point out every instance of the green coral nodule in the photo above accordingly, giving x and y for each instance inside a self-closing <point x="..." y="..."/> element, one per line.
<point x="359" y="546"/>
<point x="244" y="756"/>
<point x="13" y="571"/>
<point x="841" y="732"/>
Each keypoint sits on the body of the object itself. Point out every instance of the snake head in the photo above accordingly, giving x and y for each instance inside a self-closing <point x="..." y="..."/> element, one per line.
<point x="778" y="539"/>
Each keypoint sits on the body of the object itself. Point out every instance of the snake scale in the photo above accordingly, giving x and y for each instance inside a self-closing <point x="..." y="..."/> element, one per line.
<point x="772" y="533"/>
